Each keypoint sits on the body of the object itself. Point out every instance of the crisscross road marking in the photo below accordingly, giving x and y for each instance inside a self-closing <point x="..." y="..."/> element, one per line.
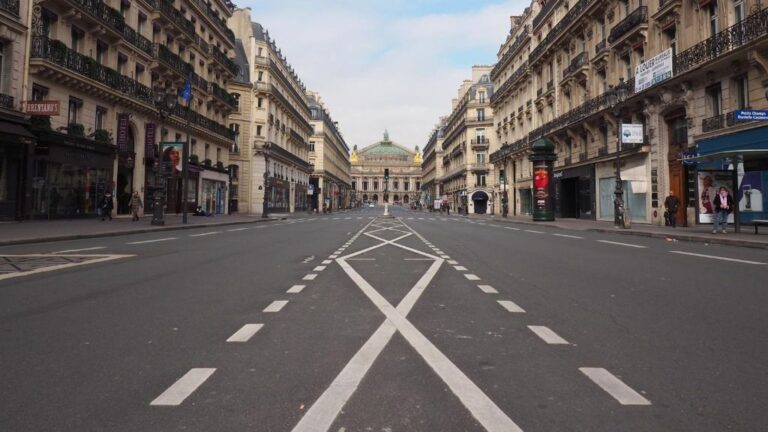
<point x="320" y="417"/>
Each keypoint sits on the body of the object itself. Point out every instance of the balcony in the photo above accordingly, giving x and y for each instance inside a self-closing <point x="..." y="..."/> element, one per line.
<point x="718" y="122"/>
<point x="480" y="167"/>
<point x="261" y="60"/>
<point x="478" y="120"/>
<point x="510" y="82"/>
<point x="510" y="53"/>
<point x="56" y="52"/>
<point x="543" y="13"/>
<point x="577" y="64"/>
<point x="6" y="101"/>
<point x="480" y="143"/>
<point x="203" y="122"/>
<point x="627" y="25"/>
<point x="175" y="16"/>
<point x="199" y="82"/>
<point x="109" y="18"/>
<point x="751" y="28"/>
<point x="219" y="23"/>
<point x="11" y="6"/>
<point x="172" y="60"/>
<point x="559" y="28"/>
<point x="227" y="63"/>
<point x="224" y="96"/>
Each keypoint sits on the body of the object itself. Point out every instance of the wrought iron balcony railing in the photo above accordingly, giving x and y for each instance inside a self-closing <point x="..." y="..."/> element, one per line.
<point x="225" y="61"/>
<point x="11" y="6"/>
<point x="718" y="122"/>
<point x="576" y="63"/>
<point x="57" y="52"/>
<point x="203" y="121"/>
<point x="550" y="85"/>
<point x="510" y="54"/>
<point x="220" y="23"/>
<point x="539" y="18"/>
<point x="735" y="36"/>
<point x="164" y="54"/>
<point x="510" y="82"/>
<point x="559" y="28"/>
<point x="223" y="95"/>
<point x="480" y="141"/>
<point x="176" y="17"/>
<point x="111" y="18"/>
<point x="635" y="18"/>
<point x="6" y="101"/>
<point x="480" y="166"/>
<point x="601" y="46"/>
<point x="199" y="82"/>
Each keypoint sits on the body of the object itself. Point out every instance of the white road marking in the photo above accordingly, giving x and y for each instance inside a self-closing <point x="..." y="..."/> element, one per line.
<point x="153" y="241"/>
<point x="453" y="262"/>
<point x="471" y="276"/>
<point x="511" y="306"/>
<point x="361" y="259"/>
<point x="275" y="306"/>
<point x="206" y="234"/>
<point x="512" y="228"/>
<point x="622" y="244"/>
<point x="80" y="250"/>
<point x="547" y="335"/>
<point x="295" y="289"/>
<point x="334" y="256"/>
<point x="488" y="289"/>
<point x="97" y="259"/>
<point x="568" y="236"/>
<point x="718" y="258"/>
<point x="445" y="257"/>
<point x="245" y="333"/>
<point x="319" y="268"/>
<point x="460" y="268"/>
<point x="310" y="276"/>
<point x="614" y="386"/>
<point x="335" y="218"/>
<point x="326" y="262"/>
<point x="414" y="259"/>
<point x="308" y="259"/>
<point x="184" y="387"/>
<point x="534" y="231"/>
<point x="237" y="229"/>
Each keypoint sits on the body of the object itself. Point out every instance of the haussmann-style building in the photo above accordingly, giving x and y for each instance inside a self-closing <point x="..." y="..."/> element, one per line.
<point x="331" y="180"/>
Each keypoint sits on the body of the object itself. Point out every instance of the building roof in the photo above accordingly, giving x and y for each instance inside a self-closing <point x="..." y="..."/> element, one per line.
<point x="386" y="149"/>
<point x="258" y="31"/>
<point x="241" y="60"/>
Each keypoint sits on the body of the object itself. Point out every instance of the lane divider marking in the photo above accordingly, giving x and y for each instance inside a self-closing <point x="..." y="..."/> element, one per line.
<point x="205" y="234"/>
<point x="614" y="386"/>
<point x="547" y="335"/>
<point x="152" y="241"/>
<point x="622" y="244"/>
<point x="488" y="289"/>
<point x="80" y="250"/>
<point x="718" y="258"/>
<point x="568" y="236"/>
<point x="510" y="306"/>
<point x="295" y="289"/>
<point x="183" y="387"/>
<point x="275" y="306"/>
<point x="471" y="276"/>
<point x="310" y="276"/>
<point x="245" y="333"/>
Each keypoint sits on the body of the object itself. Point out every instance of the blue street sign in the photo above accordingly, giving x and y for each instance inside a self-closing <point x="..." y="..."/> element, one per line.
<point x="750" y="115"/>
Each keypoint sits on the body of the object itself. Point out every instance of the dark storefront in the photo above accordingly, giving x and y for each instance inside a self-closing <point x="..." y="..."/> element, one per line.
<point x="70" y="175"/>
<point x="278" y="195"/>
<point x="16" y="144"/>
<point x="575" y="192"/>
<point x="301" y="197"/>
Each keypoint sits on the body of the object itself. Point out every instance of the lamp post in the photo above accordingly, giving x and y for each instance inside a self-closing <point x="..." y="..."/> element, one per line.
<point x="265" y="149"/>
<point x="615" y="96"/>
<point x="165" y="101"/>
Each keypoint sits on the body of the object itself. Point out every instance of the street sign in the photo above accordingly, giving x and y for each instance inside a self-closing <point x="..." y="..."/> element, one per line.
<point x="43" y="107"/>
<point x="632" y="133"/>
<point x="750" y="115"/>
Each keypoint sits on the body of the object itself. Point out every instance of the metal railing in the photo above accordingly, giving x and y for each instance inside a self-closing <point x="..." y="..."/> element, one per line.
<point x="576" y="63"/>
<point x="175" y="16"/>
<point x="6" y="101"/>
<point x="635" y="18"/>
<point x="225" y="61"/>
<point x="539" y="18"/>
<point x="718" y="122"/>
<point x="199" y="82"/>
<point x="520" y="72"/>
<point x="559" y="28"/>
<point x="164" y="54"/>
<point x="510" y="54"/>
<point x="111" y="18"/>
<point x="223" y="96"/>
<point x="203" y="121"/>
<point x="58" y="53"/>
<point x="601" y="46"/>
<point x="483" y="166"/>
<point x="507" y="149"/>
<point x="11" y="6"/>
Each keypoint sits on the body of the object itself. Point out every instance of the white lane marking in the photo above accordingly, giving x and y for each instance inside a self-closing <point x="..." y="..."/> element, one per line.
<point x="308" y="259"/>
<point x="453" y="262"/>
<point x="534" y="231"/>
<point x="362" y="259"/>
<point x="471" y="276"/>
<point x="415" y="259"/>
<point x="614" y="386"/>
<point x="718" y="258"/>
<point x="237" y="229"/>
<point x="245" y="333"/>
<point x="568" y="236"/>
<point x="295" y="289"/>
<point x="622" y="244"/>
<point x="183" y="387"/>
<point x="275" y="306"/>
<point x="153" y="241"/>
<point x="547" y="335"/>
<point x="460" y="268"/>
<point x="205" y="234"/>
<point x="335" y="218"/>
<point x="445" y="257"/>
<point x="334" y="256"/>
<point x="310" y="276"/>
<point x="511" y="306"/>
<point x="512" y="228"/>
<point x="319" y="268"/>
<point x="96" y="259"/>
<point x="488" y="289"/>
<point x="326" y="262"/>
<point x="80" y="250"/>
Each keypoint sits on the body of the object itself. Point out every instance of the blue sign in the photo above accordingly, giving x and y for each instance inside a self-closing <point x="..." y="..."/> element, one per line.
<point x="750" y="115"/>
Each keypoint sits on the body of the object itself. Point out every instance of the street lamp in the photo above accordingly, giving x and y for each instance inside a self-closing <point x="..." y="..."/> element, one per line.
<point x="265" y="149"/>
<point x="615" y="96"/>
<point x="165" y="102"/>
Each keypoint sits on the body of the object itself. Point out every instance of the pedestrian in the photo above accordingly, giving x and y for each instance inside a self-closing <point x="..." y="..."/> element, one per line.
<point x="136" y="205"/>
<point x="447" y="209"/>
<point x="671" y="204"/>
<point x="723" y="207"/>
<point x="106" y="206"/>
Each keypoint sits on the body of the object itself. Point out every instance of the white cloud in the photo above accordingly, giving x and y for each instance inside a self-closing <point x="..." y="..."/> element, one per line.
<point x="376" y="69"/>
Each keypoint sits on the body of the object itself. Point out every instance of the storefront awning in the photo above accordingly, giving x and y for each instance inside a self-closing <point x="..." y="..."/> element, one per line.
<point x="748" y="143"/>
<point x="731" y="154"/>
<point x="16" y="131"/>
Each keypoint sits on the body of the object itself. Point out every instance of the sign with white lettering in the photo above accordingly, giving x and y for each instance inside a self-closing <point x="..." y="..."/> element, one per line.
<point x="750" y="115"/>
<point x="43" y="107"/>
<point x="632" y="133"/>
<point x="653" y="71"/>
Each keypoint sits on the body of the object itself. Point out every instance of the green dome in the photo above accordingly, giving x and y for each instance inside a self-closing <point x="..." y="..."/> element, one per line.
<point x="385" y="148"/>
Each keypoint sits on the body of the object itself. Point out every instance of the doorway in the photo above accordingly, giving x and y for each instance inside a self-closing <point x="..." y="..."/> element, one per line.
<point x="677" y="127"/>
<point x="480" y="199"/>
<point x="569" y="206"/>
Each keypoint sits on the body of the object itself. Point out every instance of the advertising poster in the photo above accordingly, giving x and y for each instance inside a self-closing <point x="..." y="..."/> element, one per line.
<point x="751" y="192"/>
<point x="541" y="185"/>
<point x="171" y="158"/>
<point x="709" y="183"/>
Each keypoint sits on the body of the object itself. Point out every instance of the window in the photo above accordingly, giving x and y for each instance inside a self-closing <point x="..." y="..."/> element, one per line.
<point x="627" y="67"/>
<point x="77" y="38"/>
<point x="738" y="10"/>
<point x="481" y="96"/>
<point x="235" y="127"/>
<point x="714" y="100"/>
<point x="74" y="110"/>
<point x="39" y="92"/>
<point x="260" y="102"/>
<point x="375" y="185"/>
<point x="480" y="158"/>
<point x="205" y="152"/>
<point x="354" y="185"/>
<point x="124" y="8"/>
<point x="365" y="185"/>
<point x="122" y="60"/>
<point x="418" y="185"/>
<point x="395" y="185"/>
<point x="479" y="179"/>
<point x="142" y="23"/>
<point x="101" y="52"/>
<point x="260" y="77"/>
<point x="714" y="22"/>
<point x="742" y="92"/>
<point x="311" y="146"/>
<point x="101" y="116"/>
<point x="218" y="155"/>
<point x="480" y="114"/>
<point x="672" y="38"/>
<point x="258" y="130"/>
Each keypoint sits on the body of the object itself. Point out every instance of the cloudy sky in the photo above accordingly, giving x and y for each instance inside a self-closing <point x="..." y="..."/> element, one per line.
<point x="393" y="64"/>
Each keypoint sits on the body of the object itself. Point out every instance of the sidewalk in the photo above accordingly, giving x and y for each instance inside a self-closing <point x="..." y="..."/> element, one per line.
<point x="12" y="233"/>
<point x="698" y="233"/>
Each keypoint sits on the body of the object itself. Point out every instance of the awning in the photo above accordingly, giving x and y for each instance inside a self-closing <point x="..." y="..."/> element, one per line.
<point x="16" y="131"/>
<point x="730" y="154"/>
<point x="750" y="143"/>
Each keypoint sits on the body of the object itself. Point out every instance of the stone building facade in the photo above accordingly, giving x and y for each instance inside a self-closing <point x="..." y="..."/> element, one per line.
<point x="370" y="164"/>
<point x="331" y="178"/>
<point x="432" y="166"/>
<point x="574" y="72"/>
<point x="275" y="158"/>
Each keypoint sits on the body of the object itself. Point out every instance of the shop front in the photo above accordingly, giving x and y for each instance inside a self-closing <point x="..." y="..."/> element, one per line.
<point x="635" y="175"/>
<point x="301" y="197"/>
<point x="278" y="195"/>
<point x="575" y="192"/>
<point x="16" y="145"/>
<point x="70" y="175"/>
<point x="213" y="191"/>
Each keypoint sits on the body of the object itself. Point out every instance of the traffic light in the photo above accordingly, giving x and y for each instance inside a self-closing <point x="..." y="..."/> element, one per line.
<point x="386" y="173"/>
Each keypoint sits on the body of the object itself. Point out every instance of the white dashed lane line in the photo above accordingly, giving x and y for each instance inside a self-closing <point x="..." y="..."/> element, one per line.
<point x="717" y="257"/>
<point x="534" y="231"/>
<point x="326" y="262"/>
<point x="460" y="268"/>
<point x="614" y="386"/>
<point x="547" y="335"/>
<point x="510" y="306"/>
<point x="512" y="228"/>
<point x="622" y="244"/>
<point x="296" y="289"/>
<point x="488" y="289"/>
<point x="153" y="241"/>
<point x="310" y="276"/>
<point x="184" y="387"/>
<point x="275" y="306"/>
<point x="471" y="276"/>
<point x="206" y="234"/>
<point x="245" y="333"/>
<point x="319" y="268"/>
<point x="236" y="229"/>
<point x="568" y="236"/>
<point x="80" y="250"/>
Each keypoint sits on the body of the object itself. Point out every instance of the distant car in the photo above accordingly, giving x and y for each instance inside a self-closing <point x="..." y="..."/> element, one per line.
<point x="371" y="205"/>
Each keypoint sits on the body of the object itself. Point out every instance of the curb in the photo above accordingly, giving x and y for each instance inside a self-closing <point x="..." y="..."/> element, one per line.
<point x="121" y="233"/>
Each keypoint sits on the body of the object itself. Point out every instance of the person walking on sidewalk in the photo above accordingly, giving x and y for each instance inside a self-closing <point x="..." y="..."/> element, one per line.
<point x="671" y="204"/>
<point x="723" y="207"/>
<point x="106" y="206"/>
<point x="136" y="205"/>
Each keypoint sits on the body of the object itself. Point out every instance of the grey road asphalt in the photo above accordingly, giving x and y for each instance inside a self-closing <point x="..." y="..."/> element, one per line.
<point x="352" y="322"/>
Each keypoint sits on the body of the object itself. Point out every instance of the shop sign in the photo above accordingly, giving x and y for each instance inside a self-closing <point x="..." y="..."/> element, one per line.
<point x="631" y="133"/>
<point x="122" y="132"/>
<point x="653" y="71"/>
<point x="171" y="152"/>
<point x="310" y="189"/>
<point x="43" y="107"/>
<point x="149" y="141"/>
<point x="750" y="115"/>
